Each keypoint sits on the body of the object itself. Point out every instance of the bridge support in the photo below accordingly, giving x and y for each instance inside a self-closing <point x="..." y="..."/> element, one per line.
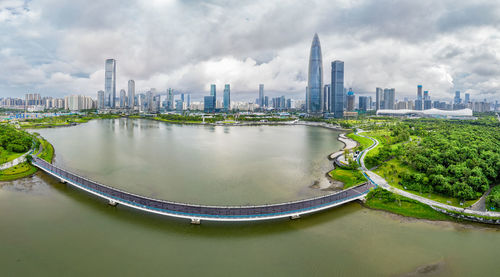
<point x="112" y="203"/>
<point x="295" y="216"/>
<point x="62" y="181"/>
<point x="195" y="221"/>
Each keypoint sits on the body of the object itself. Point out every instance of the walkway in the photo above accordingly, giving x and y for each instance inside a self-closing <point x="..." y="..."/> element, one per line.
<point x="379" y="181"/>
<point x="201" y="212"/>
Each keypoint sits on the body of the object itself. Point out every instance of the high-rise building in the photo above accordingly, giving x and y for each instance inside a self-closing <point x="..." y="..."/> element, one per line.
<point x="389" y="98"/>
<point x="467" y="98"/>
<point x="209" y="104"/>
<point x="315" y="78"/>
<point x="131" y="94"/>
<point x="326" y="98"/>
<point x="379" y="94"/>
<point x="363" y="103"/>
<point x="188" y="100"/>
<point x="170" y="99"/>
<point x="337" y="89"/>
<point x="149" y="105"/>
<point x="123" y="99"/>
<point x="457" y="99"/>
<point x="110" y="83"/>
<point x="419" y="102"/>
<point x="100" y="99"/>
<point x="213" y="92"/>
<point x="261" y="96"/>
<point x="227" y="98"/>
<point x="427" y="100"/>
<point x="350" y="100"/>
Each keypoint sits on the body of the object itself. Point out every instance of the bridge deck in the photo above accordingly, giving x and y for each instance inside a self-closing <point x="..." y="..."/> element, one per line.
<point x="197" y="212"/>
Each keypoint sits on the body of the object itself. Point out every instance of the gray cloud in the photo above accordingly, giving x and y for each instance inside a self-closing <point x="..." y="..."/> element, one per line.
<point x="59" y="47"/>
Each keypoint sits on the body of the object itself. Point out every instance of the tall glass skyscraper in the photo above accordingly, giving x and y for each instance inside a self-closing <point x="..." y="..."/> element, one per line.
<point x="261" y="95"/>
<point x="213" y="93"/>
<point x="110" y="83"/>
<point x="315" y="78"/>
<point x="337" y="89"/>
<point x="227" y="98"/>
<point x="131" y="94"/>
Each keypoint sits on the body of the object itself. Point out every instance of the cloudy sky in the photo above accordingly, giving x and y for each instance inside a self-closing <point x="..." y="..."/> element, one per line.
<point x="58" y="47"/>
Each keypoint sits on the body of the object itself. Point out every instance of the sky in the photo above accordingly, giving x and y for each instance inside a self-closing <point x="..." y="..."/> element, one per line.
<point x="56" y="47"/>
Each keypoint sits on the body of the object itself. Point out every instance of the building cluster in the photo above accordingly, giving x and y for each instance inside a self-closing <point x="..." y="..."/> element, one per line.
<point x="34" y="102"/>
<point x="328" y="100"/>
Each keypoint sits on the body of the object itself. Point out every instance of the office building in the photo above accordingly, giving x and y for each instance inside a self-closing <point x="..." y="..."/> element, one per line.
<point x="337" y="89"/>
<point x="364" y="103"/>
<point x="379" y="94"/>
<point x="389" y="98"/>
<point x="110" y="84"/>
<point x="209" y="104"/>
<point x="227" y="98"/>
<point x="419" y="102"/>
<point x="350" y="100"/>
<point x="261" y="96"/>
<point x="131" y="94"/>
<point x="326" y="98"/>
<point x="123" y="99"/>
<point x="100" y="99"/>
<point x="315" y="78"/>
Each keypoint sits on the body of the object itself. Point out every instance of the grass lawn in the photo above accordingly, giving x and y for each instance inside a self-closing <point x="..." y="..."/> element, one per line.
<point x="390" y="170"/>
<point x="17" y="172"/>
<point x="47" y="152"/>
<point x="7" y="156"/>
<point x="350" y="178"/>
<point x="381" y="199"/>
<point x="364" y="142"/>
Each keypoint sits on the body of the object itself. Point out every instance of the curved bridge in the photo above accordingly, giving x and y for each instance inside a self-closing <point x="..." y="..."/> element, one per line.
<point x="196" y="213"/>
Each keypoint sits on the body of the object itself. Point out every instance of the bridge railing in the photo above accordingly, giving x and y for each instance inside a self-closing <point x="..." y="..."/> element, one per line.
<point x="204" y="210"/>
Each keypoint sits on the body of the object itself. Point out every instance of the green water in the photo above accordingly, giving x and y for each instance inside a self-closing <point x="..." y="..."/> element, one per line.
<point x="50" y="229"/>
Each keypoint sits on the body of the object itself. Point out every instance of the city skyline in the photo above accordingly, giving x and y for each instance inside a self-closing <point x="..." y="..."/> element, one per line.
<point x="444" y="59"/>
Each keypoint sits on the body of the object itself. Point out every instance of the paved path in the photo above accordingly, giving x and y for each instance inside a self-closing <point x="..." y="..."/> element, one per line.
<point x="379" y="181"/>
<point x="202" y="212"/>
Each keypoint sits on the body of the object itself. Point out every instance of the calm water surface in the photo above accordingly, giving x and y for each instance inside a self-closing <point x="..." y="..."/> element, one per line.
<point x="50" y="229"/>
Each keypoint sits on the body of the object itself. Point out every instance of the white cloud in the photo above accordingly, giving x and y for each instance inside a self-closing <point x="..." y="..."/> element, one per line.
<point x="59" y="47"/>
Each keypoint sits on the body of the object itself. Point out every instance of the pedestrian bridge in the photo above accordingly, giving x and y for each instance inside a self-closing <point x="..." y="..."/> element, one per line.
<point x="196" y="213"/>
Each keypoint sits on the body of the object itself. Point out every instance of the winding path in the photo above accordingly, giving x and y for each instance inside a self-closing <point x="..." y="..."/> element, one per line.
<point x="379" y="181"/>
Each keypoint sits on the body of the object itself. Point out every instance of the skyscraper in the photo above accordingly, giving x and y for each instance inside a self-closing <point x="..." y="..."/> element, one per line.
<point x="389" y="98"/>
<point x="123" y="99"/>
<point x="350" y="100"/>
<point x="209" y="104"/>
<point x="261" y="96"/>
<point x="131" y="94"/>
<point x="363" y="103"/>
<point x="457" y="99"/>
<point x="100" y="99"/>
<point x="110" y="83"/>
<point x="326" y="98"/>
<point x="170" y="99"/>
<point x="337" y="89"/>
<point x="379" y="95"/>
<point x="227" y="98"/>
<point x="315" y="78"/>
<point x="467" y="98"/>
<point x="213" y="92"/>
<point x="419" y="103"/>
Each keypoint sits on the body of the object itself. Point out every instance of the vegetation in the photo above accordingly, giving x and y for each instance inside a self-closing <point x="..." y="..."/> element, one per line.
<point x="14" y="141"/>
<point x="16" y="172"/>
<point x="363" y="142"/>
<point x="350" y="178"/>
<point x="385" y="200"/>
<point x="454" y="158"/>
<point x="493" y="199"/>
<point x="47" y="153"/>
